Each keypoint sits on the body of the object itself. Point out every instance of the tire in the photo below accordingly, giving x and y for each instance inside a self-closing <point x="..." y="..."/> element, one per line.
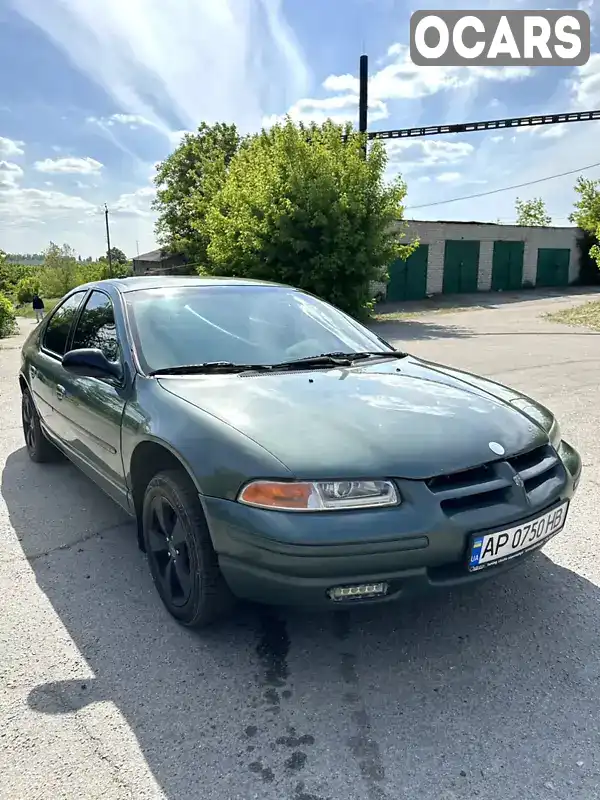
<point x="183" y="565"/>
<point x="39" y="448"/>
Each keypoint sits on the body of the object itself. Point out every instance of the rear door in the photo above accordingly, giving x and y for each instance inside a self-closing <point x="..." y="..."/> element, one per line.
<point x="93" y="407"/>
<point x="45" y="368"/>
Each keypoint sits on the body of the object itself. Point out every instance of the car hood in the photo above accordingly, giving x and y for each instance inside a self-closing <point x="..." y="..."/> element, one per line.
<point x="406" y="419"/>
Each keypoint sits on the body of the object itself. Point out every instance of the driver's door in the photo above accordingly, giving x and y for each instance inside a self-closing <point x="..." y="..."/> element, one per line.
<point x="45" y="371"/>
<point x="94" y="406"/>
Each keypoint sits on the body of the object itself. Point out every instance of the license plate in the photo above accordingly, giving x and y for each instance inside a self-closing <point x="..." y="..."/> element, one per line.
<point x="492" y="548"/>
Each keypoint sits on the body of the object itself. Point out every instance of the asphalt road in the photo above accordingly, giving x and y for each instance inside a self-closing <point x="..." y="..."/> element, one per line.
<point x="492" y="692"/>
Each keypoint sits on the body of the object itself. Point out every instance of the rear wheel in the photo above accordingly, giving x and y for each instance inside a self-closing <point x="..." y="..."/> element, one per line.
<point x="38" y="447"/>
<point x="182" y="560"/>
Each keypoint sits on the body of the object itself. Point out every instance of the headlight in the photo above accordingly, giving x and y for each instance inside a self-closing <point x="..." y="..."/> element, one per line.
<point x="543" y="418"/>
<point x="319" y="495"/>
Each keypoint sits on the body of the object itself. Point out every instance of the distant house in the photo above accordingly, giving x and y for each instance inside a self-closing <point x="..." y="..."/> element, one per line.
<point x="160" y="262"/>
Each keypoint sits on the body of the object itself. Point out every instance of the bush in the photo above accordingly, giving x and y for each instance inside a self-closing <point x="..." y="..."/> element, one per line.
<point x="12" y="274"/>
<point x="26" y="289"/>
<point x="8" y="323"/>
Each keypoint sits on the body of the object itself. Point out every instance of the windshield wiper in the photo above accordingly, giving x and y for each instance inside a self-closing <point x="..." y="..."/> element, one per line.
<point x="208" y="367"/>
<point x="337" y="359"/>
<point x="368" y="354"/>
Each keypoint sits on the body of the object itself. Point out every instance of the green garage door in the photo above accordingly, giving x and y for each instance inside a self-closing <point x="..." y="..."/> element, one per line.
<point x="408" y="278"/>
<point x="461" y="266"/>
<point x="507" y="266"/>
<point x="553" y="266"/>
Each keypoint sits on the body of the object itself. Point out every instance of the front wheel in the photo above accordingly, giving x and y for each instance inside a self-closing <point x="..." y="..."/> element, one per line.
<point x="180" y="554"/>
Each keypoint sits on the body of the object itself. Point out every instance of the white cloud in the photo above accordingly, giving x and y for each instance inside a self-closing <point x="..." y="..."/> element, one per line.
<point x="448" y="177"/>
<point x="556" y="131"/>
<point x="10" y="175"/>
<point x="9" y="148"/>
<point x="38" y="204"/>
<point x="411" y="153"/>
<point x="134" y="204"/>
<point x="403" y="80"/>
<point x="133" y="121"/>
<point x="339" y="109"/>
<point x="586" y="84"/>
<point x="153" y="58"/>
<point x="74" y="166"/>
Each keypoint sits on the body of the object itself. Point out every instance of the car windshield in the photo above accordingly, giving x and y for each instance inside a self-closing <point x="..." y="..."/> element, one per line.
<point x="243" y="324"/>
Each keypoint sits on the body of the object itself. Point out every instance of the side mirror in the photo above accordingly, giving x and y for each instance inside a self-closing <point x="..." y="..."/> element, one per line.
<point x="89" y="362"/>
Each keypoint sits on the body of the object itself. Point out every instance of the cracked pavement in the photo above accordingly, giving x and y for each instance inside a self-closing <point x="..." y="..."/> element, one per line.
<point x="490" y="692"/>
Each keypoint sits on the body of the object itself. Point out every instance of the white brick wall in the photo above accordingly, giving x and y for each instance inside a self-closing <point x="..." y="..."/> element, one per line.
<point x="435" y="235"/>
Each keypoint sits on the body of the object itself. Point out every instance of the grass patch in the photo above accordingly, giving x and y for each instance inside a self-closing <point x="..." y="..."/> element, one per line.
<point x="586" y="315"/>
<point x="27" y="311"/>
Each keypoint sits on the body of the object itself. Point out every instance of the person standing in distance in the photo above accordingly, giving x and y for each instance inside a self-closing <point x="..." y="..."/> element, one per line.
<point x="38" y="306"/>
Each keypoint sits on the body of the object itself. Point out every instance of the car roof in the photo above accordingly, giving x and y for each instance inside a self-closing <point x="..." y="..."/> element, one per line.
<point x="141" y="282"/>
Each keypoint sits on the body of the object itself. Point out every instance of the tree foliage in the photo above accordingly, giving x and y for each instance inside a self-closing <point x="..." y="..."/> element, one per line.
<point x="26" y="289"/>
<point x="586" y="214"/>
<point x="532" y="212"/>
<point x="8" y="323"/>
<point x="59" y="273"/>
<point x="186" y="183"/>
<point x="117" y="256"/>
<point x="301" y="205"/>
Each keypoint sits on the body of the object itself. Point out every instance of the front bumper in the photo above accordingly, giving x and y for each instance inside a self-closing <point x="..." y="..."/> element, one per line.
<point x="294" y="559"/>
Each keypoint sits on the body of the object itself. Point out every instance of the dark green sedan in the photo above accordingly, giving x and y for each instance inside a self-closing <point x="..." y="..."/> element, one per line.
<point x="274" y="449"/>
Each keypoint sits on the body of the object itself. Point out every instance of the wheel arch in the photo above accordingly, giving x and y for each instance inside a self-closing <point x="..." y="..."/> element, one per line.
<point x="148" y="458"/>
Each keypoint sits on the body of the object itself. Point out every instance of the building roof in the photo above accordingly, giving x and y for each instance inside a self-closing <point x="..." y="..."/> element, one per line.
<point x="157" y="256"/>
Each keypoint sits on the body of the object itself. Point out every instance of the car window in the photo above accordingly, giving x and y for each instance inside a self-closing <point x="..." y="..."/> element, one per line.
<point x="243" y="324"/>
<point x="57" y="331"/>
<point x="96" y="326"/>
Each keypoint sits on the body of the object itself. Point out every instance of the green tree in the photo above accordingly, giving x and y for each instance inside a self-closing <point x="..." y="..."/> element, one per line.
<point x="303" y="206"/>
<point x="117" y="256"/>
<point x="186" y="182"/>
<point x="532" y="212"/>
<point x="26" y="289"/>
<point x="60" y="271"/>
<point x="587" y="212"/>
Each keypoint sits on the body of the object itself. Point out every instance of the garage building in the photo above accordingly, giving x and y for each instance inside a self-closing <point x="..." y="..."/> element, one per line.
<point x="462" y="257"/>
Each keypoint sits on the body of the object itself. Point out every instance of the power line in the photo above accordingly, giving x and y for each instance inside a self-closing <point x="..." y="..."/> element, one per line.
<point x="504" y="189"/>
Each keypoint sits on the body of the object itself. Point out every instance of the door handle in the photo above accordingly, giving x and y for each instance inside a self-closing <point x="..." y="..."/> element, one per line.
<point x="60" y="391"/>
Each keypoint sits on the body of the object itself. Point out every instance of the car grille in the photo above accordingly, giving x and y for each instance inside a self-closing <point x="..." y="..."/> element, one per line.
<point x="492" y="487"/>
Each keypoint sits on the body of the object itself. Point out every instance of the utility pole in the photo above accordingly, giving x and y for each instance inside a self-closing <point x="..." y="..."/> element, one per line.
<point x="108" y="253"/>
<point x="363" y="98"/>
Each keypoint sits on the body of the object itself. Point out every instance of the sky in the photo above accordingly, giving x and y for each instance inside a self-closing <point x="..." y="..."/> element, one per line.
<point x="94" y="93"/>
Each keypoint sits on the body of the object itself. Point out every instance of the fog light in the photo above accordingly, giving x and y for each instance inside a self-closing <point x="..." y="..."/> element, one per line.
<point x="363" y="590"/>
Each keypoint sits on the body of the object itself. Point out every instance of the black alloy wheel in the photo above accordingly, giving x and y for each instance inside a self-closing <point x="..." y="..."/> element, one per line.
<point x="169" y="551"/>
<point x="180" y="553"/>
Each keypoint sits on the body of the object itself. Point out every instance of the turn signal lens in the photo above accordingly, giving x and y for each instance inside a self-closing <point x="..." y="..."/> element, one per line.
<point x="319" y="495"/>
